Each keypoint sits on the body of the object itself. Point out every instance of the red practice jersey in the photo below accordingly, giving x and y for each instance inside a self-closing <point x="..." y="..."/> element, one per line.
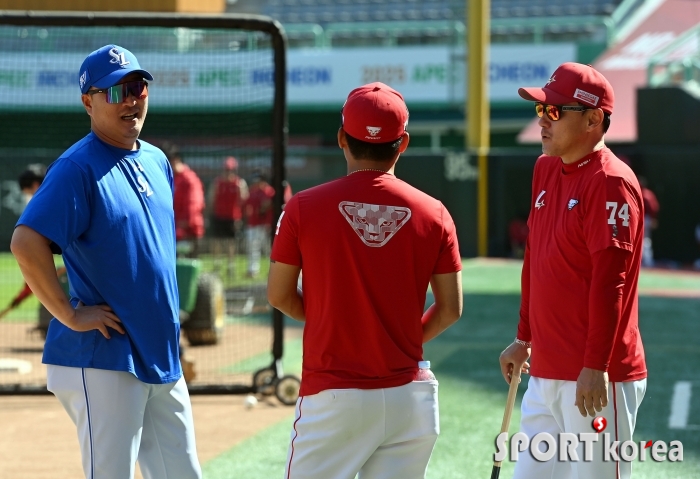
<point x="259" y="205"/>
<point x="651" y="204"/>
<point x="188" y="204"/>
<point x="228" y="204"/>
<point x="368" y="244"/>
<point x="578" y="210"/>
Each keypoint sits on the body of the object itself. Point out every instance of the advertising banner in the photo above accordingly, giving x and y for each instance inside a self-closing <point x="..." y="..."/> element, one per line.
<point x="315" y="77"/>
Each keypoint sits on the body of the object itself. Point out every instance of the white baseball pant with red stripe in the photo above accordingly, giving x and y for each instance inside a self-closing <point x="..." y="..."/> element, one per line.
<point x="548" y="406"/>
<point x="374" y="433"/>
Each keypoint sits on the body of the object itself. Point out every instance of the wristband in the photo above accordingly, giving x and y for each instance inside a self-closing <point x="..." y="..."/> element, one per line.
<point x="527" y="344"/>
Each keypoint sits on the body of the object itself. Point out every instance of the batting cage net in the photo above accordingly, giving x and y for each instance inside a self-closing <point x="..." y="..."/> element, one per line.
<point x="217" y="102"/>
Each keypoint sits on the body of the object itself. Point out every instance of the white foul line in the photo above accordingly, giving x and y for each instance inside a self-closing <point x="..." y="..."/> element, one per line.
<point x="680" y="405"/>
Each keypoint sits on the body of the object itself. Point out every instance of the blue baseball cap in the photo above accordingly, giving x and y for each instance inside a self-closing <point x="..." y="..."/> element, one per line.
<point x="104" y="68"/>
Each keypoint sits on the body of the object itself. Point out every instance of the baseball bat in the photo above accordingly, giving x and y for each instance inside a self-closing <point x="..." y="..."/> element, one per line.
<point x="505" y="425"/>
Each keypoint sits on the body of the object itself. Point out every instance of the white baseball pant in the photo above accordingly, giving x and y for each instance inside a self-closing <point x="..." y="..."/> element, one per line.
<point x="374" y="433"/>
<point x="548" y="406"/>
<point x="121" y="419"/>
<point x="256" y="236"/>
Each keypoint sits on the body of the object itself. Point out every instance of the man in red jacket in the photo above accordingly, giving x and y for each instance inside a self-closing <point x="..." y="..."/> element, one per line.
<point x="258" y="215"/>
<point x="188" y="203"/>
<point x="227" y="195"/>
<point x="578" y="313"/>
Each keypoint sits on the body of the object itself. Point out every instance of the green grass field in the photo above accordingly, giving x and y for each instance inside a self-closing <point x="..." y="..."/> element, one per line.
<point x="473" y="393"/>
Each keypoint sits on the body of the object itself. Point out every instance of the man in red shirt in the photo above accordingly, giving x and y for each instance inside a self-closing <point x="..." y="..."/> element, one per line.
<point x="369" y="245"/>
<point x="227" y="195"/>
<point x="188" y="202"/>
<point x="258" y="214"/>
<point x="651" y="221"/>
<point x="578" y="313"/>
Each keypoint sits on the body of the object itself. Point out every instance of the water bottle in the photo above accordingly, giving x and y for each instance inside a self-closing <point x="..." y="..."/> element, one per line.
<point x="424" y="372"/>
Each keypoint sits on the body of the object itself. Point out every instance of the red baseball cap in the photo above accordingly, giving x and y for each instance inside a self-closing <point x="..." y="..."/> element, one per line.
<point x="574" y="82"/>
<point x="375" y="113"/>
<point x="230" y="163"/>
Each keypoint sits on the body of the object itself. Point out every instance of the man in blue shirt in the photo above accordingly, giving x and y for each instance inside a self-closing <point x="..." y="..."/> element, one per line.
<point x="112" y="349"/>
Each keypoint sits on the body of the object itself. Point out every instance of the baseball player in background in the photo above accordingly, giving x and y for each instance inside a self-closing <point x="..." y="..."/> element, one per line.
<point x="188" y="202"/>
<point x="226" y="198"/>
<point x="578" y="314"/>
<point x="29" y="182"/>
<point x="369" y="245"/>
<point x="112" y="349"/>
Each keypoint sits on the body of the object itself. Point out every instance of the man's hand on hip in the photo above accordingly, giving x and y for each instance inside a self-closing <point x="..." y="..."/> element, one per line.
<point x="515" y="355"/>
<point x="100" y="317"/>
<point x="591" y="391"/>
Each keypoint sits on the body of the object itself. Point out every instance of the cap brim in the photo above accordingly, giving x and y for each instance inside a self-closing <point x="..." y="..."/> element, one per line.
<point x="114" y="77"/>
<point x="543" y="95"/>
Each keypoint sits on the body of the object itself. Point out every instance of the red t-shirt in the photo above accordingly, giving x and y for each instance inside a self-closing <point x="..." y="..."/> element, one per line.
<point x="227" y="198"/>
<point x="651" y="204"/>
<point x="259" y="205"/>
<point x="578" y="210"/>
<point x="188" y="204"/>
<point x="368" y="244"/>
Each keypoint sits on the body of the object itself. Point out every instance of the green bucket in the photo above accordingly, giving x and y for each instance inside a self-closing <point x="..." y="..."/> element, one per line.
<point x="187" y="271"/>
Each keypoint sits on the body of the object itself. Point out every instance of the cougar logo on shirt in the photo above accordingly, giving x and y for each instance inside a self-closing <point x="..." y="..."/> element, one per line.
<point x="374" y="224"/>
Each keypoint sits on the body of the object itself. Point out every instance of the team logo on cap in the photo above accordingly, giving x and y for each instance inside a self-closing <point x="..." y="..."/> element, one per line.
<point x="83" y="78"/>
<point x="373" y="130"/>
<point x="587" y="97"/>
<point x="118" y="57"/>
<point x="551" y="80"/>
<point x="374" y="224"/>
<point x="572" y="203"/>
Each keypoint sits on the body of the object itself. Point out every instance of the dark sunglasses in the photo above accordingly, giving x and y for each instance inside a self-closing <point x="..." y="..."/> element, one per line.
<point x="554" y="111"/>
<point x="118" y="93"/>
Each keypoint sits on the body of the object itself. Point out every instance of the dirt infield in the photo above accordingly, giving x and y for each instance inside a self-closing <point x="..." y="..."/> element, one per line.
<point x="39" y="440"/>
<point x="21" y="349"/>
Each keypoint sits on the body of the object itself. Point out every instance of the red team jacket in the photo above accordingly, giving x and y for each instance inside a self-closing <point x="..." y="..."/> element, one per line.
<point x="188" y="203"/>
<point x="227" y="199"/>
<point x="576" y="211"/>
<point x="259" y="205"/>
